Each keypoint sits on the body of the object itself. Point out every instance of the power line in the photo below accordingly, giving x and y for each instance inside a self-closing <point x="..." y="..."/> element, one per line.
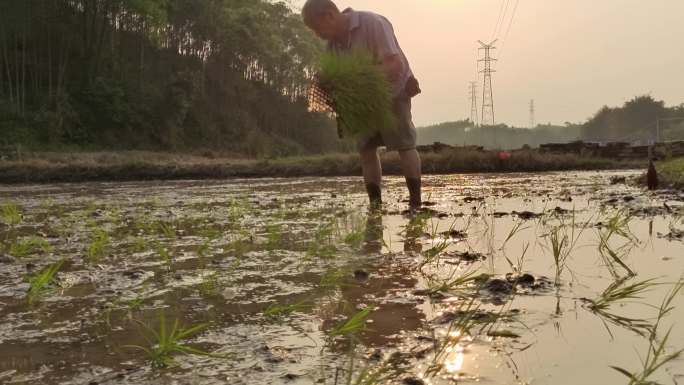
<point x="503" y="18"/>
<point x="508" y="30"/>
<point x="499" y="19"/>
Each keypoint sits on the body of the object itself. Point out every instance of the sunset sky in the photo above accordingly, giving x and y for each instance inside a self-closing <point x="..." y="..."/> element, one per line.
<point x="571" y="57"/>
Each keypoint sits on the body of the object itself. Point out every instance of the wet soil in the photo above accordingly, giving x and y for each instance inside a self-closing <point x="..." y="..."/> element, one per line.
<point x="466" y="291"/>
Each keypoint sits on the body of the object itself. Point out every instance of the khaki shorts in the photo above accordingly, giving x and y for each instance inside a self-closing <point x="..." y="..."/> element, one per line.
<point x="401" y="139"/>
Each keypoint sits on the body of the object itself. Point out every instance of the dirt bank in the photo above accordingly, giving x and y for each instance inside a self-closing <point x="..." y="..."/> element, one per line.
<point x="135" y="165"/>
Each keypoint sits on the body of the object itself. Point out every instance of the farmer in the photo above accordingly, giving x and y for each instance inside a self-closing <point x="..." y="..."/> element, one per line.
<point x="352" y="30"/>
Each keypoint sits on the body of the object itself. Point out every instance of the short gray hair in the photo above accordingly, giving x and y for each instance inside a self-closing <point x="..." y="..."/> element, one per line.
<point x="315" y="8"/>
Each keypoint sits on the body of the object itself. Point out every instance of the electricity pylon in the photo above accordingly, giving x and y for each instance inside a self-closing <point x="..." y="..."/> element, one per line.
<point x="473" y="102"/>
<point x="487" y="93"/>
<point x="532" y="120"/>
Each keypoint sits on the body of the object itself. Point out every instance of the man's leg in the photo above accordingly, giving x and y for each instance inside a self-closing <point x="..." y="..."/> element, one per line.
<point x="410" y="164"/>
<point x="372" y="173"/>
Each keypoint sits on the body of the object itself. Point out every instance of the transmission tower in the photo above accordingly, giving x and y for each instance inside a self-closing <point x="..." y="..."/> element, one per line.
<point x="532" y="120"/>
<point x="473" y="102"/>
<point x="487" y="93"/>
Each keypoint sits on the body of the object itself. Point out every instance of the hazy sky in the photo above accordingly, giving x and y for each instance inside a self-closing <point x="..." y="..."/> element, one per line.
<point x="571" y="57"/>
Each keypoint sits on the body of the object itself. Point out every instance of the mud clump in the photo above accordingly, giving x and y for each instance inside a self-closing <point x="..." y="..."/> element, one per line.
<point x="361" y="275"/>
<point x="499" y="286"/>
<point x="526" y="215"/>
<point x="478" y="315"/>
<point x="673" y="235"/>
<point x="471" y="199"/>
<point x="457" y="257"/>
<point x="455" y="234"/>
<point x="511" y="281"/>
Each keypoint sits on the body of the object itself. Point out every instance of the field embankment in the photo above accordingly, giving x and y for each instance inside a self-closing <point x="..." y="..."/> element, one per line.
<point x="113" y="166"/>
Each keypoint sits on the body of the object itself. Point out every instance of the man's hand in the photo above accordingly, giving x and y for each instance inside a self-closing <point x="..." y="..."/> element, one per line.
<point x="393" y="67"/>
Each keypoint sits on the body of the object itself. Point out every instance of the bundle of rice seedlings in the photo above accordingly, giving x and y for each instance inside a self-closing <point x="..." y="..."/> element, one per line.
<point x="357" y="90"/>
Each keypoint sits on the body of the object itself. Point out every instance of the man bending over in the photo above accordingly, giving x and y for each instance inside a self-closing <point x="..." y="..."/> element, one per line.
<point x="352" y="30"/>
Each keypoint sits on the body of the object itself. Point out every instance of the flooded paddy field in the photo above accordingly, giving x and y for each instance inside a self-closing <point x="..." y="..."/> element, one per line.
<point x="553" y="278"/>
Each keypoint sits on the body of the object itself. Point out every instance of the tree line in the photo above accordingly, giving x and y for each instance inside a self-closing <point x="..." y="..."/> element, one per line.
<point x="640" y="121"/>
<point x="229" y="75"/>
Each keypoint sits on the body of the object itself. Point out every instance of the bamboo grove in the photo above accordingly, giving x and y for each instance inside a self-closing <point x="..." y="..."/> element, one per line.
<point x="158" y="74"/>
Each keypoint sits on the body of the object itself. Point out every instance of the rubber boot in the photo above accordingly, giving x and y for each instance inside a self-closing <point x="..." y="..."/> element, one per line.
<point x="374" y="195"/>
<point x="414" y="186"/>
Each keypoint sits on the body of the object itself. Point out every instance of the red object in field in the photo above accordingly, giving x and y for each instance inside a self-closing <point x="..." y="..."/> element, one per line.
<point x="504" y="155"/>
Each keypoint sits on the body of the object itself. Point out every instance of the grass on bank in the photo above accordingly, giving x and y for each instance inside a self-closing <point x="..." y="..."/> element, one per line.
<point x="136" y="165"/>
<point x="672" y="172"/>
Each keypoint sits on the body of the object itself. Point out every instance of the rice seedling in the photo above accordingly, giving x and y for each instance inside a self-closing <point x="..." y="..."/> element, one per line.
<point x="358" y="91"/>
<point x="165" y="343"/>
<point x="620" y="292"/>
<point x="275" y="311"/>
<point x="41" y="283"/>
<point x="203" y="248"/>
<point x="454" y="282"/>
<point x="122" y="303"/>
<point x="517" y="267"/>
<point x="377" y="374"/>
<point x="432" y="254"/>
<point x="139" y="245"/>
<point x="458" y="329"/>
<point x="211" y="285"/>
<point x="417" y="226"/>
<point x="164" y="254"/>
<point x="616" y="225"/>
<point x="167" y="229"/>
<point x="10" y="214"/>
<point x="614" y="257"/>
<point x="335" y="278"/>
<point x="274" y="235"/>
<point x="236" y="211"/>
<point x="143" y="224"/>
<point x="356" y="237"/>
<point x="322" y="243"/>
<point x="352" y="326"/>
<point x="28" y="246"/>
<point x="561" y="242"/>
<point x="656" y="356"/>
<point x="517" y="228"/>
<point x="99" y="245"/>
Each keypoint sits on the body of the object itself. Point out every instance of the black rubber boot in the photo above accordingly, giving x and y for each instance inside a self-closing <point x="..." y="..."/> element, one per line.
<point x="414" y="186"/>
<point x="374" y="194"/>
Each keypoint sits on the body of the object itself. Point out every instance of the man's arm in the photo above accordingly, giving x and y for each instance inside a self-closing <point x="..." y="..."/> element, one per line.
<point x="385" y="47"/>
<point x="393" y="67"/>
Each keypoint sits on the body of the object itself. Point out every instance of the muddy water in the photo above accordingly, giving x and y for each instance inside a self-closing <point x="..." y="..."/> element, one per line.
<point x="273" y="268"/>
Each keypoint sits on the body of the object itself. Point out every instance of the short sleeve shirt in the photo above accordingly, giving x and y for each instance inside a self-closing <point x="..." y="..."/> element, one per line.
<point x="374" y="33"/>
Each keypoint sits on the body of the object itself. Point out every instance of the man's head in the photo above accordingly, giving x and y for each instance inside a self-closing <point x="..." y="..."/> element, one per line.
<point x="324" y="18"/>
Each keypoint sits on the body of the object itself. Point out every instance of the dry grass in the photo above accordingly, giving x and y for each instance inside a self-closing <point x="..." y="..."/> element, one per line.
<point x="139" y="165"/>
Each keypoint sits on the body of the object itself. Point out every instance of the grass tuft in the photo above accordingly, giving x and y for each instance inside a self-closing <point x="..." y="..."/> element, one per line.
<point x="99" y="245"/>
<point x="28" y="246"/>
<point x="165" y="343"/>
<point x="40" y="283"/>
<point x="353" y="325"/>
<point x="656" y="356"/>
<point x="619" y="292"/>
<point x="10" y="214"/>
